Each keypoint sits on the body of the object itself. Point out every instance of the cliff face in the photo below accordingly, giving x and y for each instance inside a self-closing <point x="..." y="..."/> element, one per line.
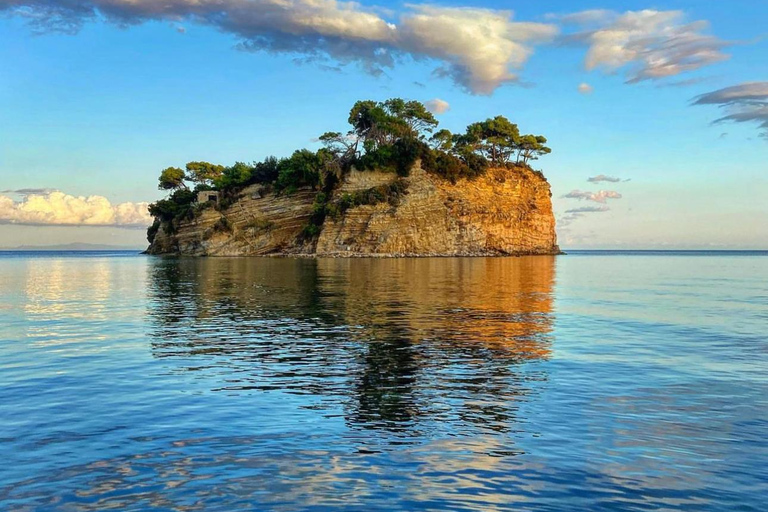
<point x="503" y="212"/>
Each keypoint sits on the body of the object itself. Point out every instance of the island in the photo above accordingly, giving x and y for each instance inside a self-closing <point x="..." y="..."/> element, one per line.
<point x="393" y="185"/>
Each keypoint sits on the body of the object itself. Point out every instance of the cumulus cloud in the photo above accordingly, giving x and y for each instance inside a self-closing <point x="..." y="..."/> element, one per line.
<point x="585" y="88"/>
<point x="60" y="209"/>
<point x="601" y="196"/>
<point x="602" y="177"/>
<point x="647" y="44"/>
<point x="480" y="49"/>
<point x="743" y="103"/>
<point x="437" y="106"/>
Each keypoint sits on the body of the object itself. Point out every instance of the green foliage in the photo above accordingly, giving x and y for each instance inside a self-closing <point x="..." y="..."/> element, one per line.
<point x="378" y="124"/>
<point x="204" y="172"/>
<point x="177" y="205"/>
<point x="152" y="230"/>
<point x="531" y="147"/>
<point x="498" y="140"/>
<point x="222" y="225"/>
<point x="342" y="147"/>
<point x="301" y="169"/>
<point x="442" y="140"/>
<point x="398" y="157"/>
<point x="234" y="176"/>
<point x="172" y="178"/>
<point x="413" y="114"/>
<point x="310" y="231"/>
<point x="266" y="171"/>
<point x="495" y="138"/>
<point x="312" y="228"/>
<point x="390" y="193"/>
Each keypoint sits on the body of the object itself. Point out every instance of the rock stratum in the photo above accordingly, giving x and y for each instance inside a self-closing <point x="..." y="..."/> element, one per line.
<point x="502" y="212"/>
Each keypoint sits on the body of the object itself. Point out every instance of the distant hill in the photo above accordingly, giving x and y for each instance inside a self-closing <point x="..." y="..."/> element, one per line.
<point x="77" y="246"/>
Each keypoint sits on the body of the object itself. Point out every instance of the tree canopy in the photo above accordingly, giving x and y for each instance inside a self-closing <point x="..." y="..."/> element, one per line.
<point x="172" y="178"/>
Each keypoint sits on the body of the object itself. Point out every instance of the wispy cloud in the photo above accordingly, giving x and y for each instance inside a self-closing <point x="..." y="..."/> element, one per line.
<point x="588" y="209"/>
<point x="60" y="209"/>
<point x="437" y="106"/>
<point x="744" y="103"/>
<point x="602" y="177"/>
<point x="480" y="49"/>
<point x="27" y="191"/>
<point x="646" y="45"/>
<point x="585" y="88"/>
<point x="574" y="214"/>
<point x="601" y="196"/>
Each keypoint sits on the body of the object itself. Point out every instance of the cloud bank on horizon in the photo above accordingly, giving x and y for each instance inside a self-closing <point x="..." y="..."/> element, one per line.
<point x="59" y="209"/>
<point x="479" y="49"/>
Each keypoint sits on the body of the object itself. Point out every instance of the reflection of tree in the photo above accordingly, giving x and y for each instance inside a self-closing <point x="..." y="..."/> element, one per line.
<point x="400" y="344"/>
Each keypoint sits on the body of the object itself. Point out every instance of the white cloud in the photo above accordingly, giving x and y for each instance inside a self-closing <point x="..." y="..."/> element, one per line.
<point x="437" y="106"/>
<point x="744" y="103"/>
<point x="649" y="44"/>
<point x="58" y="208"/>
<point x="598" y="197"/>
<point x="480" y="49"/>
<point x="585" y="88"/>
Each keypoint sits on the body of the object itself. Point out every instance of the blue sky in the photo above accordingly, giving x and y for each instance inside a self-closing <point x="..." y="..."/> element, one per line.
<point x="100" y="110"/>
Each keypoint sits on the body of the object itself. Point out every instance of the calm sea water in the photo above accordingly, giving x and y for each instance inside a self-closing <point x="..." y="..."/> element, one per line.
<point x="594" y="381"/>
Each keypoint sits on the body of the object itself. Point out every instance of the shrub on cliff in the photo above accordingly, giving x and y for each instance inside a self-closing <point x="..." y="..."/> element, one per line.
<point x="176" y="205"/>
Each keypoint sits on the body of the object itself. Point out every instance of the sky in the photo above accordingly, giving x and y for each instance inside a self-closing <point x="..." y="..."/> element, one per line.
<point x="656" y="111"/>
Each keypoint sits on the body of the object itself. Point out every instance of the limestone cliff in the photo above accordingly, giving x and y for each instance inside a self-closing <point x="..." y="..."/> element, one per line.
<point x="502" y="212"/>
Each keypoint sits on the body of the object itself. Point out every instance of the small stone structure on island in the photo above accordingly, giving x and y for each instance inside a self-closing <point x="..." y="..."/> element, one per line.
<point x="206" y="196"/>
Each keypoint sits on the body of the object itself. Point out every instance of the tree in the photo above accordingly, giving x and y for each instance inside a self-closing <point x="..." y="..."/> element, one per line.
<point x="266" y="171"/>
<point x="377" y="124"/>
<point x="236" y="175"/>
<point x="442" y="140"/>
<point x="531" y="147"/>
<point x="204" y="173"/>
<point x="341" y="146"/>
<point x="370" y="123"/>
<point x="413" y="114"/>
<point x="302" y="168"/>
<point x="172" y="178"/>
<point x="495" y="138"/>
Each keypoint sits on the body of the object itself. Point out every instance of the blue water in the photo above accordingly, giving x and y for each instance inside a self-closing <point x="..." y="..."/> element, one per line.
<point x="593" y="381"/>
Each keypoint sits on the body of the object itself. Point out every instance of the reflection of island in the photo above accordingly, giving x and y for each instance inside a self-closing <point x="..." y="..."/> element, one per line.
<point x="401" y="344"/>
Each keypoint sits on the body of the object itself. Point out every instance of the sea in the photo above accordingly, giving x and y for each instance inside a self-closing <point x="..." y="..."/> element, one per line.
<point x="594" y="381"/>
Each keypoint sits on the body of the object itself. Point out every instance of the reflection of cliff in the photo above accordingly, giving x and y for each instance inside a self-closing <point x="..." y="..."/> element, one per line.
<point x="501" y="304"/>
<point x="442" y="327"/>
<point x="397" y="343"/>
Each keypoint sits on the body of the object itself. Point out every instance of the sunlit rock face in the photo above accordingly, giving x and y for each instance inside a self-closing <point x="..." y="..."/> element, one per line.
<point x="503" y="212"/>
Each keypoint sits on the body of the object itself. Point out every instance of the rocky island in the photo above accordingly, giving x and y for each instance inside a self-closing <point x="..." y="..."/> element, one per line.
<point x="386" y="188"/>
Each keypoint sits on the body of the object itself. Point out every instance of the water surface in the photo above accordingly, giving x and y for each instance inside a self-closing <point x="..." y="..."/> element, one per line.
<point x="595" y="381"/>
